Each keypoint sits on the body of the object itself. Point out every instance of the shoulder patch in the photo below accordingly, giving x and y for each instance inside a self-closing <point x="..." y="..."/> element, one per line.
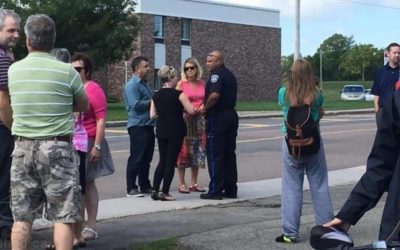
<point x="214" y="78"/>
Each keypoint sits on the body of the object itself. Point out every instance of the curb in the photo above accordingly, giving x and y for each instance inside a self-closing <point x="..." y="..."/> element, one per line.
<point x="267" y="114"/>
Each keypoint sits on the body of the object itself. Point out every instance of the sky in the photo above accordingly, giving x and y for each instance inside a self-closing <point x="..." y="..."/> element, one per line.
<point x="368" y="21"/>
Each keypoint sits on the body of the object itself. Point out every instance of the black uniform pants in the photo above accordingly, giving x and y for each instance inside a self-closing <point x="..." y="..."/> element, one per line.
<point x="221" y="157"/>
<point x="6" y="148"/>
<point x="168" y="150"/>
<point x="142" y="140"/>
<point x="382" y="174"/>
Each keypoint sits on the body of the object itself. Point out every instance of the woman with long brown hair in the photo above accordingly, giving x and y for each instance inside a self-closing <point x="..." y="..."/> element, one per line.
<point x="301" y="91"/>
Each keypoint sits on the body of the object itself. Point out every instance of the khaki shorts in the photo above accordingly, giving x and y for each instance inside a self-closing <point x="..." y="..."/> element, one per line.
<point x="45" y="171"/>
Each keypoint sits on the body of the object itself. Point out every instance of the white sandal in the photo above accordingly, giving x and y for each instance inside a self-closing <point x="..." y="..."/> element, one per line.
<point x="89" y="233"/>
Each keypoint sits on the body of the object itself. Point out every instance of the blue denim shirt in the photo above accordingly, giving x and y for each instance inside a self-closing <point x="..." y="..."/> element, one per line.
<point x="137" y="102"/>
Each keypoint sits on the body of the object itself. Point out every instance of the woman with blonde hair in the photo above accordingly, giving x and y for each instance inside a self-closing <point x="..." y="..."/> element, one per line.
<point x="301" y="90"/>
<point x="192" y="154"/>
<point x="167" y="107"/>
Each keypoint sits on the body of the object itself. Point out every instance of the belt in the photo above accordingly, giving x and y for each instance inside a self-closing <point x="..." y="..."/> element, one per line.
<point x="65" y="138"/>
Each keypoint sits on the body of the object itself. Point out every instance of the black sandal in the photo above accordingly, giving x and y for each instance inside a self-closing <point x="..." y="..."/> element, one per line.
<point x="81" y="244"/>
<point x="50" y="246"/>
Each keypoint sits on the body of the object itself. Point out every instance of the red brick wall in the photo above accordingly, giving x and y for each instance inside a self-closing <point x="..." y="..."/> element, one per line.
<point x="252" y="53"/>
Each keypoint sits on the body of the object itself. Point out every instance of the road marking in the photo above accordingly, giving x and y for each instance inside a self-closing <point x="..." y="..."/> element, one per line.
<point x="349" y="131"/>
<point x="116" y="131"/>
<point x="325" y="133"/>
<point x="115" y="136"/>
<point x="279" y="137"/>
<point x="251" y="125"/>
<point x="345" y="119"/>
<point x="119" y="151"/>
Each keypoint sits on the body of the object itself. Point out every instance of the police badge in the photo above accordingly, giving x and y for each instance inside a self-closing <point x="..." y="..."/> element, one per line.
<point x="214" y="78"/>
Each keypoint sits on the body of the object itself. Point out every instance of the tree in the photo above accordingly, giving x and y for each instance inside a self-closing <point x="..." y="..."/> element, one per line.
<point x="333" y="49"/>
<point x="286" y="64"/>
<point x="103" y="29"/>
<point x="358" y="59"/>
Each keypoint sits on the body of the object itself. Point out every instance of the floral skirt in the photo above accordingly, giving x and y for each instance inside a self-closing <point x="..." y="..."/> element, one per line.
<point x="193" y="151"/>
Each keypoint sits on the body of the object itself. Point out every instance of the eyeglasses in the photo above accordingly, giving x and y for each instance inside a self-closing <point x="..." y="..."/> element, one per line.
<point x="79" y="69"/>
<point x="189" y="68"/>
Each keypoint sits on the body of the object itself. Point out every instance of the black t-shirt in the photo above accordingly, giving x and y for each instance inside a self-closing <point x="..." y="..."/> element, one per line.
<point x="170" y="123"/>
<point x="222" y="81"/>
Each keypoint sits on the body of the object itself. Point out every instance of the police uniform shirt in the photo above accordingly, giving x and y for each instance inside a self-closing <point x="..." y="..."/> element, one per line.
<point x="223" y="82"/>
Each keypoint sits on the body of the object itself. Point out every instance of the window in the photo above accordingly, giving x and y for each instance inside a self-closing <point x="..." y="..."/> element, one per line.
<point x="185" y="40"/>
<point x="159" y="29"/>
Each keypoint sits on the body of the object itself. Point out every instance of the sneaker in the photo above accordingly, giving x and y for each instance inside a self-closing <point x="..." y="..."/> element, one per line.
<point x="135" y="193"/>
<point x="285" y="239"/>
<point x="209" y="196"/>
<point x="148" y="190"/>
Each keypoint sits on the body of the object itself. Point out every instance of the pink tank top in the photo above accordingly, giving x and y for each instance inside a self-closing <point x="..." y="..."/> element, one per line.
<point x="196" y="93"/>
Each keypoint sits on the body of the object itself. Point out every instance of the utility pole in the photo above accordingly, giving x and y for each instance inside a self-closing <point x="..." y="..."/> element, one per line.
<point x="297" y="31"/>
<point x="320" y="67"/>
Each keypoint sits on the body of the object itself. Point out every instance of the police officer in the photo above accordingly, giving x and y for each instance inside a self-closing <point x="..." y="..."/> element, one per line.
<point x="222" y="125"/>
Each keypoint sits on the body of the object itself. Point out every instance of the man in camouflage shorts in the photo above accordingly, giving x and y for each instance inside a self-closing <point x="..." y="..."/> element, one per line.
<point x="44" y="93"/>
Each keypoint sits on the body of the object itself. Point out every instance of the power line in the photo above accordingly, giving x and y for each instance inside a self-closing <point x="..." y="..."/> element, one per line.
<point x="370" y="4"/>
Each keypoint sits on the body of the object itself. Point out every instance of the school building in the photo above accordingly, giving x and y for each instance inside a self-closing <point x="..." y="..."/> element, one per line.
<point x="173" y="30"/>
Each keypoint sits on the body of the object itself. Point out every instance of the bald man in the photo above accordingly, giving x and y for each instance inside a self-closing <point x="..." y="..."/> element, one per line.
<point x="222" y="126"/>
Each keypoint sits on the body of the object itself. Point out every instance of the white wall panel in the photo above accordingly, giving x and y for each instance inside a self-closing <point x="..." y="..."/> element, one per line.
<point x="212" y="11"/>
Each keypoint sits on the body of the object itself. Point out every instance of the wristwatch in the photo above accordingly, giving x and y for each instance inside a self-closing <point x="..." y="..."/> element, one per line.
<point x="97" y="146"/>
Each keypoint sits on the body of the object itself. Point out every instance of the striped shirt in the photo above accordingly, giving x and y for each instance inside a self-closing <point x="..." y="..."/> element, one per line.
<point x="5" y="62"/>
<point x="42" y="91"/>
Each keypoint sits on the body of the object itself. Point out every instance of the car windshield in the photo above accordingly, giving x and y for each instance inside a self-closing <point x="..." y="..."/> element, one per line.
<point x="354" y="89"/>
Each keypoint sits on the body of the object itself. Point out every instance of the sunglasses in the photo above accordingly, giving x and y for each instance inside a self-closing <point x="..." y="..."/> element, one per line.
<point x="79" y="69"/>
<point x="189" y="68"/>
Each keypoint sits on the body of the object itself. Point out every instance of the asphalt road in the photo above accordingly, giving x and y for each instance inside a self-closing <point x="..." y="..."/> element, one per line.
<point x="347" y="140"/>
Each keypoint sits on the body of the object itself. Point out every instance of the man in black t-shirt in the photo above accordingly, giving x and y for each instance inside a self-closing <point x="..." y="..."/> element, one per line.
<point x="222" y="126"/>
<point x="386" y="77"/>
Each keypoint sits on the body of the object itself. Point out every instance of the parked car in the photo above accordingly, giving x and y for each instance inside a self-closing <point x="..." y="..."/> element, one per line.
<point x="352" y="93"/>
<point x="368" y="96"/>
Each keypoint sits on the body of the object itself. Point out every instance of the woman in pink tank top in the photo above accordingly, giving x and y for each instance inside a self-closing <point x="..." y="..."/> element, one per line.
<point x="192" y="154"/>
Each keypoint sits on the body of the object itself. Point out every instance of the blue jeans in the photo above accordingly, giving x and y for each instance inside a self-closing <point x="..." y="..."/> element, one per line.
<point x="293" y="171"/>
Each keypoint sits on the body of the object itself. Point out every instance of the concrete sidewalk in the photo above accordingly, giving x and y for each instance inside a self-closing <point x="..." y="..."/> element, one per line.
<point x="250" y="222"/>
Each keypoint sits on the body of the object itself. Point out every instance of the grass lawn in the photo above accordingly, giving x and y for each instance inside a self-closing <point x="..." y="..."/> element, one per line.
<point x="166" y="244"/>
<point x="331" y="90"/>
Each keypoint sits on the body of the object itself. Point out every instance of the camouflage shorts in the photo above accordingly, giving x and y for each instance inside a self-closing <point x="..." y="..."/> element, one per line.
<point x="45" y="171"/>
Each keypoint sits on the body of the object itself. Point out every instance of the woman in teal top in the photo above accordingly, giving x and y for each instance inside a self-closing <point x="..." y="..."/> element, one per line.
<point x="316" y="108"/>
<point x="301" y="89"/>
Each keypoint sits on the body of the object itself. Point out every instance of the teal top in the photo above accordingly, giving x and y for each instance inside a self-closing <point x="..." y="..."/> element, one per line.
<point x="316" y="105"/>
